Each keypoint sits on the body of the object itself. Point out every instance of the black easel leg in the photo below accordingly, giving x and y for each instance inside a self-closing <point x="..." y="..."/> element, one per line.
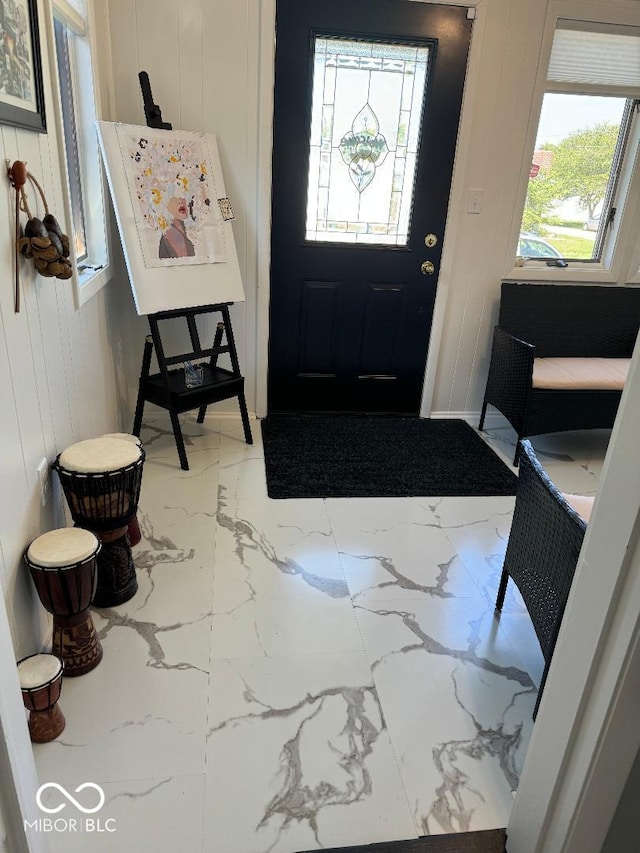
<point x="137" y="421"/>
<point x="245" y="417"/>
<point x="144" y="375"/>
<point x="202" y="411"/>
<point x="177" y="432"/>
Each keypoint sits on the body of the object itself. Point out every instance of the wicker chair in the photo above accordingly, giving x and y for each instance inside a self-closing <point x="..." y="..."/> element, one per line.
<point x="542" y="552"/>
<point x="541" y="320"/>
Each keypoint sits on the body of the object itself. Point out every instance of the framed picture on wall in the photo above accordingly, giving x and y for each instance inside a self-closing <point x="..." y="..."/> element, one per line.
<point x="21" y="93"/>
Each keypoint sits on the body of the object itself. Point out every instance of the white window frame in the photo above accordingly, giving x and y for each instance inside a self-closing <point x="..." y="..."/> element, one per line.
<point x="99" y="269"/>
<point x="620" y="262"/>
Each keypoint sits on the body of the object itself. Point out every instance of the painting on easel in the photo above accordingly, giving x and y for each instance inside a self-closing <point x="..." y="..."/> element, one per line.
<point x="169" y="196"/>
<point x="172" y="183"/>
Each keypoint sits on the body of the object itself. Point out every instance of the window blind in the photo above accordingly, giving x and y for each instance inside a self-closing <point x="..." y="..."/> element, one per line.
<point x="596" y="58"/>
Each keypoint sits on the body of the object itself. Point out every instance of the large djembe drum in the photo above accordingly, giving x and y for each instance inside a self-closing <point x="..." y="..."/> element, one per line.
<point x="134" y="527"/>
<point x="101" y="480"/>
<point x="63" y="565"/>
<point x="41" y="682"/>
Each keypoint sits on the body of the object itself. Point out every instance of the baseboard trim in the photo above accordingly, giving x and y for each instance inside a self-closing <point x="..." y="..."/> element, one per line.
<point x="212" y="414"/>
<point x="492" y="420"/>
<point x="228" y="416"/>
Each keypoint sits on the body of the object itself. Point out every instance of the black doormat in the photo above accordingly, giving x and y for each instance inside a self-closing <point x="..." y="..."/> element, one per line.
<point x="352" y="456"/>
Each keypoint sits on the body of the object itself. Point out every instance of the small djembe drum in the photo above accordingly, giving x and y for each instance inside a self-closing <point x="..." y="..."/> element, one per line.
<point x="41" y="682"/>
<point x="63" y="565"/>
<point x="101" y="480"/>
<point x="134" y="527"/>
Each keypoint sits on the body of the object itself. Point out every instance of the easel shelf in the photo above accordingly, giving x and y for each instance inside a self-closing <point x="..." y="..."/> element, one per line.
<point x="168" y="388"/>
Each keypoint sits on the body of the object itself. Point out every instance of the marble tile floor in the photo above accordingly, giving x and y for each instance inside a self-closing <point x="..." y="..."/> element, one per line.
<point x="304" y="674"/>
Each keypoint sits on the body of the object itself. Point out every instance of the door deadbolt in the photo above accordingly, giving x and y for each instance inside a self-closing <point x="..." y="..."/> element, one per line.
<point x="427" y="268"/>
<point x="430" y="240"/>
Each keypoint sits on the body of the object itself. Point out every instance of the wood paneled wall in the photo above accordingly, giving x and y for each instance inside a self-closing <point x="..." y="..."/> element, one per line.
<point x="203" y="57"/>
<point x="202" y="61"/>
<point x="57" y="375"/>
<point x="498" y="99"/>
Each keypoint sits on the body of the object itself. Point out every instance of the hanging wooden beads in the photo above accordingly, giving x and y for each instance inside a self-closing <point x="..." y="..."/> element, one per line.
<point x="42" y="239"/>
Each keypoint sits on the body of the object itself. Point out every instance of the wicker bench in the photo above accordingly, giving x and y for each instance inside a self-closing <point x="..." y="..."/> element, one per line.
<point x="542" y="552"/>
<point x="549" y="321"/>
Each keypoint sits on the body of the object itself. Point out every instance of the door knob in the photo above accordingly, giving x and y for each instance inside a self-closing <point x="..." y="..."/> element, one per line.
<point x="427" y="268"/>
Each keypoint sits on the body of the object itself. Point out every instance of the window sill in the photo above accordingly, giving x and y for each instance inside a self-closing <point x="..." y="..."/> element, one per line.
<point x="562" y="274"/>
<point x="89" y="282"/>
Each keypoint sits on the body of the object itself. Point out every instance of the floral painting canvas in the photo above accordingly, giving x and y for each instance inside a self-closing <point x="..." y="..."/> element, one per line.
<point x="168" y="191"/>
<point x="171" y="183"/>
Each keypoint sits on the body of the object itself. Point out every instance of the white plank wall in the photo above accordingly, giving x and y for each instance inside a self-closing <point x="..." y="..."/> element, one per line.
<point x="57" y="375"/>
<point x="203" y="57"/>
<point x="202" y="61"/>
<point x="68" y="374"/>
<point x="499" y="120"/>
<point x="502" y="72"/>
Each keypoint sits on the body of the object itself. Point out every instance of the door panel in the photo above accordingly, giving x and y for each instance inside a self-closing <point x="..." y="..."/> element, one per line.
<point x="384" y="311"/>
<point x="319" y="315"/>
<point x="367" y="103"/>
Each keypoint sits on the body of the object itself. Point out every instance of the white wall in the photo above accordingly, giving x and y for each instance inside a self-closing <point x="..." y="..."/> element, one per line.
<point x="211" y="69"/>
<point x="509" y="52"/>
<point x="58" y="369"/>
<point x="498" y="97"/>
<point x="4" y="843"/>
<point x="626" y="821"/>
<point x="202" y="61"/>
<point x="68" y="374"/>
<point x="57" y="374"/>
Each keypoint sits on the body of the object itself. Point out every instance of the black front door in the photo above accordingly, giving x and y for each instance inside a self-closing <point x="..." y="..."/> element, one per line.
<point x="367" y="104"/>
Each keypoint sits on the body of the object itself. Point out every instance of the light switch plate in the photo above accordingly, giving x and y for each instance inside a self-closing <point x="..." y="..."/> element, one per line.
<point x="474" y="201"/>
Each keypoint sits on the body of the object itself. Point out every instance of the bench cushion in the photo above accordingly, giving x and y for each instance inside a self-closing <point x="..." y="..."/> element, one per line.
<point x="596" y="374"/>
<point x="582" y="504"/>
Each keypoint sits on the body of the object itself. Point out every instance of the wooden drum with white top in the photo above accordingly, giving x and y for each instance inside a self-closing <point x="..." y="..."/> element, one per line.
<point x="101" y="480"/>
<point x="134" y="527"/>
<point x="63" y="565"/>
<point x="41" y="683"/>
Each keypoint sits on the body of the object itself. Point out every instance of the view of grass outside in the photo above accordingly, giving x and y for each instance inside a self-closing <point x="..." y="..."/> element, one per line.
<point x="570" y="246"/>
<point x="571" y="170"/>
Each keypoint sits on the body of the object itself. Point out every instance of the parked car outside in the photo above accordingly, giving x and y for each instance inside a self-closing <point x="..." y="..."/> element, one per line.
<point x="592" y="223"/>
<point x="530" y="246"/>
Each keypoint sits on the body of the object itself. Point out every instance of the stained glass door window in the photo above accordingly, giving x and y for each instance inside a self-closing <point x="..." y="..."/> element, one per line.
<point x="365" y="129"/>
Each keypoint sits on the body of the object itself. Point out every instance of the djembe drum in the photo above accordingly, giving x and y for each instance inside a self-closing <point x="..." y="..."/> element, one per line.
<point x="101" y="480"/>
<point x="63" y="566"/>
<point x="41" y="682"/>
<point x="134" y="527"/>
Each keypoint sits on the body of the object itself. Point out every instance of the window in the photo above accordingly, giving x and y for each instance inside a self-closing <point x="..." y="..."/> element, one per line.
<point x="577" y="186"/>
<point x="86" y="208"/>
<point x="365" y="128"/>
